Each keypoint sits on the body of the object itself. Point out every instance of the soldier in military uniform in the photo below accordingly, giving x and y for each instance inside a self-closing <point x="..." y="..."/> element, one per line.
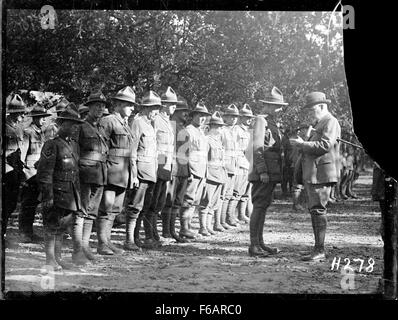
<point x="320" y="166"/>
<point x="33" y="143"/>
<point x="230" y="142"/>
<point x="241" y="179"/>
<point x="175" y="194"/>
<point x="58" y="181"/>
<point x="92" y="169"/>
<point x="216" y="176"/>
<point x="144" y="161"/>
<point x="120" y="168"/>
<point x="266" y="170"/>
<point x="14" y="174"/>
<point x="195" y="150"/>
<point x="51" y="130"/>
<point x="165" y="148"/>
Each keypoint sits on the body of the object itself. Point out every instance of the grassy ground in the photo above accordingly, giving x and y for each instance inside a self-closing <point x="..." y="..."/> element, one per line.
<point x="220" y="263"/>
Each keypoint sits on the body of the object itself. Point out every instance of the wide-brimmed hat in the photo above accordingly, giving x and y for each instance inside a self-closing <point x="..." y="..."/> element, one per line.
<point x="246" y="111"/>
<point x="231" y="110"/>
<point x="200" y="108"/>
<point x="126" y="94"/>
<point x="38" y="111"/>
<point x="151" y="99"/>
<point x="276" y="97"/>
<point x="182" y="104"/>
<point x="169" y="96"/>
<point x="61" y="106"/>
<point x="16" y="105"/>
<point x="314" y="98"/>
<point x="70" y="113"/>
<point x="216" y="119"/>
<point x="82" y="109"/>
<point x="96" y="97"/>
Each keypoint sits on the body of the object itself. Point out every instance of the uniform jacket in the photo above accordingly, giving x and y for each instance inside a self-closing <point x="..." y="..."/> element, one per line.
<point x="242" y="138"/>
<point x="58" y="173"/>
<point x="14" y="145"/>
<point x="144" y="153"/>
<point x="180" y="161"/>
<point x="165" y="146"/>
<point x="216" y="171"/>
<point x="120" y="143"/>
<point x="267" y="150"/>
<point x="195" y="147"/>
<point x="230" y="140"/>
<point x="321" y="152"/>
<point x="33" y="143"/>
<point x="93" y="152"/>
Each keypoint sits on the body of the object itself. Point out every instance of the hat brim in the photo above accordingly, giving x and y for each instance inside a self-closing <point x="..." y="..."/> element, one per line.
<point x="181" y="109"/>
<point x="247" y="116"/>
<point x="231" y="114"/>
<point x="168" y="101"/>
<point x="124" y="99"/>
<point x="217" y="124"/>
<point x="274" y="102"/>
<point x="151" y="105"/>
<point x="94" y="101"/>
<point x="309" y="105"/>
<point x="71" y="119"/>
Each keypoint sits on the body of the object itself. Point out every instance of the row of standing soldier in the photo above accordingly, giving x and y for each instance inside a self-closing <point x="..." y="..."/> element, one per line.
<point x="85" y="172"/>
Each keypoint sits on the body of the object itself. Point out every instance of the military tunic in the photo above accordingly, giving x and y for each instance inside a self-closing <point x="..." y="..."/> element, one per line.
<point x="196" y="149"/>
<point x="216" y="175"/>
<point x="13" y="170"/>
<point x="33" y="144"/>
<point x="58" y="180"/>
<point x="242" y="163"/>
<point x="92" y="165"/>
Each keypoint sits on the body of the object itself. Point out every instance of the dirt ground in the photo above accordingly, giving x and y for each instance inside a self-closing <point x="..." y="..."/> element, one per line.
<point x="220" y="263"/>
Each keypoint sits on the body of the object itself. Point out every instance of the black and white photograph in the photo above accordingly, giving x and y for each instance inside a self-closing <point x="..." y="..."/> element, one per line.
<point x="188" y="151"/>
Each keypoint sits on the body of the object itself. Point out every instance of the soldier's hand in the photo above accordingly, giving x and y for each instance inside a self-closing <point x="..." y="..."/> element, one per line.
<point x="136" y="182"/>
<point x="264" y="177"/>
<point x="296" y="141"/>
<point x="48" y="204"/>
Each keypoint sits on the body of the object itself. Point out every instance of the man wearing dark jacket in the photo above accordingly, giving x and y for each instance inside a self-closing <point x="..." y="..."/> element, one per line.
<point x="266" y="170"/>
<point x="320" y="166"/>
<point x="92" y="168"/>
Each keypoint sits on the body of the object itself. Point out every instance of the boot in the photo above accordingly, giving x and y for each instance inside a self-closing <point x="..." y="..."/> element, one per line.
<point x="49" y="247"/>
<point x="231" y="213"/>
<point x="25" y="221"/>
<point x="150" y="242"/>
<point x="224" y="207"/>
<point x="130" y="244"/>
<point x="209" y="226"/>
<point x="184" y="220"/>
<point x="87" y="227"/>
<point x="270" y="250"/>
<point x="155" y="226"/>
<point x="217" y="221"/>
<point x="137" y="229"/>
<point x="111" y="246"/>
<point x="103" y="249"/>
<point x="242" y="212"/>
<point x="203" y="224"/>
<point x="173" y="218"/>
<point x="254" y="248"/>
<point x="78" y="256"/>
<point x="319" y="222"/>
<point x="166" y="216"/>
<point x="58" y="252"/>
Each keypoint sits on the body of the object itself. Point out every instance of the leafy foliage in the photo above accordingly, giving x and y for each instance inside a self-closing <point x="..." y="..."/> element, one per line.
<point x="217" y="57"/>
